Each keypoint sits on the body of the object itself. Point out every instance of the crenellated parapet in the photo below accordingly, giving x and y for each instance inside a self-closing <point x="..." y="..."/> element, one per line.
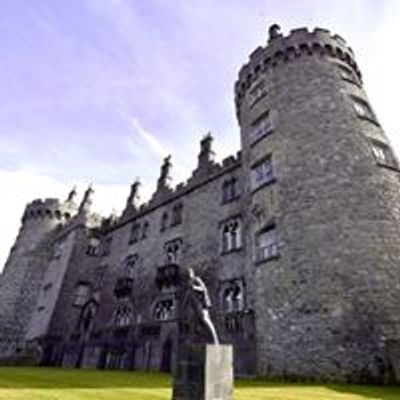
<point x="285" y="49"/>
<point x="50" y="209"/>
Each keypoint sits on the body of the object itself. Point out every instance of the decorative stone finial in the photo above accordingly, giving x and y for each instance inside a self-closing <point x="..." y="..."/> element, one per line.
<point x="206" y="155"/>
<point x="134" y="197"/>
<point x="165" y="173"/>
<point x="274" y="32"/>
<point x="87" y="200"/>
<point x="72" y="194"/>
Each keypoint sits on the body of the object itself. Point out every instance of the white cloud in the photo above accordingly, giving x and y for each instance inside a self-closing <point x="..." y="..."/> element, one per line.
<point x="21" y="187"/>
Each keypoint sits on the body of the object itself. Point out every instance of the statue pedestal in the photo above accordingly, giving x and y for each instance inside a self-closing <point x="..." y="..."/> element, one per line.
<point x="204" y="372"/>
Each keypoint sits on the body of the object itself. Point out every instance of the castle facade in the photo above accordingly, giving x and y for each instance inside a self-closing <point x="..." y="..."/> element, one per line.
<point x="297" y="237"/>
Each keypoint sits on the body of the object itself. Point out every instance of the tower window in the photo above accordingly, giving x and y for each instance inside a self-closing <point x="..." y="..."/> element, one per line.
<point x="257" y="93"/>
<point x="266" y="244"/>
<point x="58" y="250"/>
<point x="262" y="127"/>
<point x="347" y="73"/>
<point x="262" y="173"/>
<point x="383" y="154"/>
<point x="363" y="109"/>
<point x="230" y="190"/>
<point x="231" y="235"/>
<point x="135" y="233"/>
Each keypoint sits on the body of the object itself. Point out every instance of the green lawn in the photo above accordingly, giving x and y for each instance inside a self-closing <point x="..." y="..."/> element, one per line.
<point x="54" y="384"/>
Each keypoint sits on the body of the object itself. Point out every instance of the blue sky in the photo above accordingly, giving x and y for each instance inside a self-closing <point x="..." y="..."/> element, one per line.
<point x="101" y="90"/>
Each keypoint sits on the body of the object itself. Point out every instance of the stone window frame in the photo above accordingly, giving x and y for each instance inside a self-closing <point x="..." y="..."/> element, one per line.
<point x="161" y="314"/>
<point x="262" y="126"/>
<point x="123" y="316"/>
<point x="231" y="234"/>
<point x="256" y="93"/>
<point x="145" y="230"/>
<point x="130" y="263"/>
<point x="363" y="110"/>
<point x="99" y="274"/>
<point x="347" y="74"/>
<point x="173" y="250"/>
<point x="238" y="305"/>
<point x="135" y="232"/>
<point x="266" y="177"/>
<point x="270" y="251"/>
<point x="230" y="190"/>
<point x="58" y="249"/>
<point x="92" y="249"/>
<point x="164" y="221"/>
<point x="177" y="214"/>
<point x="82" y="293"/>
<point x="106" y="246"/>
<point x="384" y="155"/>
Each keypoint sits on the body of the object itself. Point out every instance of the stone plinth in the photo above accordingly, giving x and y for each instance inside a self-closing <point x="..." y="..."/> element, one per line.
<point x="204" y="372"/>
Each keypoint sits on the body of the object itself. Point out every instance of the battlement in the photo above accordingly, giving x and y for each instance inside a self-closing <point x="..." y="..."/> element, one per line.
<point x="197" y="179"/>
<point x="283" y="49"/>
<point x="45" y="208"/>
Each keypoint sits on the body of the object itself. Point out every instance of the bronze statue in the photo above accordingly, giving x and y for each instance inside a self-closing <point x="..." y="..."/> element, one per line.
<point x="202" y="302"/>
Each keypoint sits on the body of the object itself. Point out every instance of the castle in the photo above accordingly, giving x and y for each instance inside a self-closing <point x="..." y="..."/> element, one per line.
<point x="297" y="237"/>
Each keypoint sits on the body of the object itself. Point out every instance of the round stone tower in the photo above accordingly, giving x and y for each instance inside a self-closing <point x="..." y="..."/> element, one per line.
<point x="25" y="268"/>
<point x="324" y="192"/>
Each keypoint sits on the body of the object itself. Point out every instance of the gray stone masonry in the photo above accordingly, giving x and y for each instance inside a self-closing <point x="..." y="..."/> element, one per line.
<point x="297" y="238"/>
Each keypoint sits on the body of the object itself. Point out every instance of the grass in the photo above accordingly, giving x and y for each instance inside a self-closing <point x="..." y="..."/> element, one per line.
<point x="21" y="383"/>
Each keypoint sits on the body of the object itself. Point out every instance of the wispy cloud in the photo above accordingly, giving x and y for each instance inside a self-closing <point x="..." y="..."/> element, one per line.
<point x="154" y="144"/>
<point x="68" y="69"/>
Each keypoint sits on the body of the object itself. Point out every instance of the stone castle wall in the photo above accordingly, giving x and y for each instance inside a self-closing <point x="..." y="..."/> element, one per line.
<point x="324" y="307"/>
<point x="314" y="266"/>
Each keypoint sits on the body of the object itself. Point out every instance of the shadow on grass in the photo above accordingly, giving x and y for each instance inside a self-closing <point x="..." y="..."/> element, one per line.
<point x="375" y="392"/>
<point x="369" y="391"/>
<point x="38" y="377"/>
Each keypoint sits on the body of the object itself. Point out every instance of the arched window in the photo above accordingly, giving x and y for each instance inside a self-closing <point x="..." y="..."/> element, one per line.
<point x="233" y="296"/>
<point x="164" y="310"/>
<point x="123" y="316"/>
<point x="231" y="235"/>
<point x="130" y="264"/>
<point x="173" y="250"/>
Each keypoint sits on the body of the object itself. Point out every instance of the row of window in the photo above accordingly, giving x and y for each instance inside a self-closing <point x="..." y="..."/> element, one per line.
<point x="232" y="301"/>
<point x="381" y="151"/>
